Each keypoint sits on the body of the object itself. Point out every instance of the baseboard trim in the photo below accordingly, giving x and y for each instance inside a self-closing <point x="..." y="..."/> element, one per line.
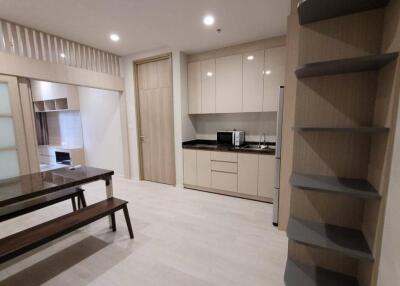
<point x="230" y="194"/>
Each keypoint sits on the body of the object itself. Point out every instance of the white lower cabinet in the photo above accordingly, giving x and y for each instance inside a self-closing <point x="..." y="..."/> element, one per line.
<point x="242" y="173"/>
<point x="204" y="168"/>
<point x="248" y="174"/>
<point x="266" y="176"/>
<point x="224" y="181"/>
<point x="189" y="167"/>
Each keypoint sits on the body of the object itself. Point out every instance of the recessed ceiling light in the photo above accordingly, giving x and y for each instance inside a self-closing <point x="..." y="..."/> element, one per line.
<point x="268" y="72"/>
<point x="208" y="20"/>
<point x="250" y="58"/>
<point x="114" y="37"/>
<point x="62" y="55"/>
<point x="209" y="74"/>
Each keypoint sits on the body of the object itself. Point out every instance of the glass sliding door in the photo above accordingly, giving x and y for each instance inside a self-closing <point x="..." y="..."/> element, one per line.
<point x="13" y="152"/>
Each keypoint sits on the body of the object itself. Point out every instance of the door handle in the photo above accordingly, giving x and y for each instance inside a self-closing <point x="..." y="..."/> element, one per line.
<point x="141" y="138"/>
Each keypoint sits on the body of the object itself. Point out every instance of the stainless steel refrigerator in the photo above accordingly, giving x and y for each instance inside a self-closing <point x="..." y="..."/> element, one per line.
<point x="279" y="119"/>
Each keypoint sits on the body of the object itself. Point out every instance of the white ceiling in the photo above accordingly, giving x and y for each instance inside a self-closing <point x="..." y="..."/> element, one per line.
<point x="151" y="24"/>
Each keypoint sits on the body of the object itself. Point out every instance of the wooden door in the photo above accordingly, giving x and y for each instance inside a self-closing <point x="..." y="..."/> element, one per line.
<point x="14" y="159"/>
<point x="156" y="121"/>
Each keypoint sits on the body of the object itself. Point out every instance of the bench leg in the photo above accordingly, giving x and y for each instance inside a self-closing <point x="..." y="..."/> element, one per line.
<point x="73" y="204"/>
<point x="128" y="221"/>
<point x="113" y="225"/>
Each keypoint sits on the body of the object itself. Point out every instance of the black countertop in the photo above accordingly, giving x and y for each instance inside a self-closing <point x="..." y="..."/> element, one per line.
<point x="211" y="145"/>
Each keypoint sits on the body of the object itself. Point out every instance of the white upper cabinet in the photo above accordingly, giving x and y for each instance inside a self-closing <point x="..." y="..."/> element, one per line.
<point x="229" y="84"/>
<point x="274" y="76"/>
<point x="253" y="85"/>
<point x="194" y="87"/>
<point x="247" y="82"/>
<point x="208" y="86"/>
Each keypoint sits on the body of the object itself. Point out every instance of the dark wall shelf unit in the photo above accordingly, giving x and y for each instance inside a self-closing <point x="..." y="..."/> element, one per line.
<point x="350" y="242"/>
<point x="361" y="129"/>
<point x="299" y="274"/>
<point x="317" y="10"/>
<point x="352" y="187"/>
<point x="341" y="66"/>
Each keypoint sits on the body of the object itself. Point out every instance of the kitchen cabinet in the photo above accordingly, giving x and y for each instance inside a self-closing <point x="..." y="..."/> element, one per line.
<point x="274" y="76"/>
<point x="253" y="81"/>
<point x="208" y="86"/>
<point x="194" y="87"/>
<point x="190" y="167"/>
<point x="266" y="176"/>
<point x="247" y="82"/>
<point x="243" y="174"/>
<point x="224" y="156"/>
<point x="248" y="174"/>
<point x="229" y="84"/>
<point x="224" y="181"/>
<point x="203" y="168"/>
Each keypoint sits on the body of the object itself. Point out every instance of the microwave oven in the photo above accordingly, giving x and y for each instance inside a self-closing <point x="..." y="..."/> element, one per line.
<point x="233" y="138"/>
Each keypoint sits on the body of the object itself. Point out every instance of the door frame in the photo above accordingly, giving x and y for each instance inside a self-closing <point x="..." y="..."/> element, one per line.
<point x="136" y="63"/>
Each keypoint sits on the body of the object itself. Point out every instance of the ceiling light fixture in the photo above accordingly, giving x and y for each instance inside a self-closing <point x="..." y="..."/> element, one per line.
<point x="268" y="72"/>
<point x="250" y="58"/>
<point x="114" y="37"/>
<point x="208" y="20"/>
<point x="62" y="55"/>
<point x="210" y="74"/>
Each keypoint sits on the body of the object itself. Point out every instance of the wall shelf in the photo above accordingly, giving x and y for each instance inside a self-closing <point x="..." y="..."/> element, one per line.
<point x="316" y="10"/>
<point x="347" y="186"/>
<point x="350" y="242"/>
<point x="350" y="65"/>
<point x="300" y="274"/>
<point x="360" y="129"/>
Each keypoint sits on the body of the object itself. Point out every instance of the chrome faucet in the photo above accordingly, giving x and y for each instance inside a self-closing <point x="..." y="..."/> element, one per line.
<point x="259" y="141"/>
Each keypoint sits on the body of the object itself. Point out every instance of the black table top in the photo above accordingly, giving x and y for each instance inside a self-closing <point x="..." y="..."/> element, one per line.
<point x="25" y="187"/>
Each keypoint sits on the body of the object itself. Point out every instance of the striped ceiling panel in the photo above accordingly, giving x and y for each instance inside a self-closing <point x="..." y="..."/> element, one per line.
<point x="26" y="42"/>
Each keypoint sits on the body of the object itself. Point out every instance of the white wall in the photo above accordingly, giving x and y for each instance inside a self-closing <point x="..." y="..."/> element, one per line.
<point x="102" y="129"/>
<point x="389" y="267"/>
<point x="178" y="82"/>
<point x="254" y="125"/>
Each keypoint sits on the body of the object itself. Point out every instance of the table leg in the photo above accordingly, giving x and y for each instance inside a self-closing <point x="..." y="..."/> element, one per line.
<point x="110" y="193"/>
<point x="109" y="188"/>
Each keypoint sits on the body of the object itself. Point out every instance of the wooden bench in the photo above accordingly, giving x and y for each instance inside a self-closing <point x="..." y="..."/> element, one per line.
<point x="26" y="240"/>
<point x="21" y="208"/>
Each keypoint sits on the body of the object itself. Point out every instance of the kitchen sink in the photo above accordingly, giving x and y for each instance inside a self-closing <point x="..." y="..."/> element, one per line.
<point x="255" y="147"/>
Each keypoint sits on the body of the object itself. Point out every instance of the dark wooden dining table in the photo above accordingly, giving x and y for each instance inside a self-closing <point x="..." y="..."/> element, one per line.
<point x="25" y="187"/>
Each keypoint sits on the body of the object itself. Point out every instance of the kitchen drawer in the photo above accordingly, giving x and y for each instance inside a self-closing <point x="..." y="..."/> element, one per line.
<point x="224" y="181"/>
<point x="224" y="156"/>
<point x="44" y="159"/>
<point x="227" y="167"/>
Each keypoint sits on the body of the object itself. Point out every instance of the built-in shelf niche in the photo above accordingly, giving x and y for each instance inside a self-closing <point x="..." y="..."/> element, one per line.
<point x="343" y="133"/>
<point x="59" y="104"/>
<point x="317" y="10"/>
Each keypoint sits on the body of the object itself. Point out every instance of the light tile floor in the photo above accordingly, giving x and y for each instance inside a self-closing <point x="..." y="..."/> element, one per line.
<point x="182" y="237"/>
